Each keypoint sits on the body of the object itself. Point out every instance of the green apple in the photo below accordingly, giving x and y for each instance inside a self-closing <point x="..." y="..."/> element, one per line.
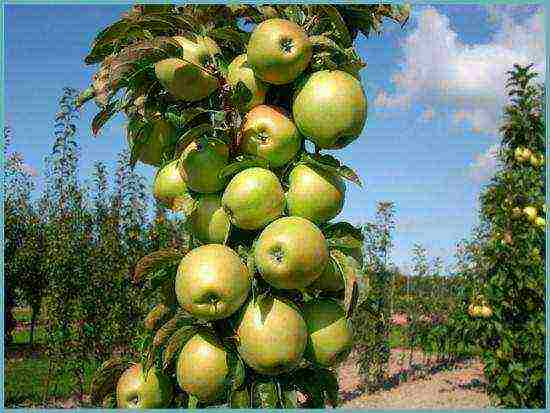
<point x="330" y="109"/>
<point x="188" y="78"/>
<point x="540" y="222"/>
<point x="330" y="334"/>
<point x="253" y="198"/>
<point x="169" y="183"/>
<point x="291" y="253"/>
<point x="279" y="51"/>
<point x="271" y="335"/>
<point x="330" y="280"/>
<point x="201" y="162"/>
<point x="531" y="213"/>
<point x="209" y="222"/>
<point x="135" y="390"/>
<point x="202" y="369"/>
<point x="315" y="194"/>
<point x="269" y="133"/>
<point x="212" y="282"/>
<point x="239" y="70"/>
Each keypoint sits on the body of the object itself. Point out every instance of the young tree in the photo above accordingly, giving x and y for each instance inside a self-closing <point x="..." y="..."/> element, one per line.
<point x="372" y="319"/>
<point x="513" y="210"/>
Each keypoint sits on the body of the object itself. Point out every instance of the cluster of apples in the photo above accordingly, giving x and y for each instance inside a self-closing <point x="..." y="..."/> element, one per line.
<point x="274" y="333"/>
<point x="523" y="155"/>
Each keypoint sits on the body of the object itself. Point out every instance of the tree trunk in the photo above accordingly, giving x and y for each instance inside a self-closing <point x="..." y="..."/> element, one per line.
<point x="35" y="310"/>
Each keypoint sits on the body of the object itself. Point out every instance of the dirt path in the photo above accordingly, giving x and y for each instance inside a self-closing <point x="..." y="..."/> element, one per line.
<point x="456" y="387"/>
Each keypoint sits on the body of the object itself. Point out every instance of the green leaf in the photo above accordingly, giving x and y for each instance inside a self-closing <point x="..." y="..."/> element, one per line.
<point x="193" y="402"/>
<point x="193" y="134"/>
<point x="157" y="260"/>
<point x="103" y="43"/>
<point x="289" y="399"/>
<point x="240" y="95"/>
<point x="240" y="399"/>
<point x="241" y="163"/>
<point x="264" y="395"/>
<point x="351" y="294"/>
<point x="295" y="13"/>
<point x="184" y="203"/>
<point x="332" y="165"/>
<point x="103" y="116"/>
<point x="176" y="343"/>
<point x="343" y="34"/>
<point x="344" y="236"/>
<point x="182" y="118"/>
<point x="237" y="371"/>
<point x="230" y="34"/>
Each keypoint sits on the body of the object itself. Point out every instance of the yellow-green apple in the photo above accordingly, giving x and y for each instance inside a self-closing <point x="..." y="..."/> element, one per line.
<point x="240" y="70"/>
<point x="330" y="336"/>
<point x="330" y="280"/>
<point x="330" y="109"/>
<point x="202" y="369"/>
<point x="531" y="213"/>
<point x="291" y="253"/>
<point x="315" y="194"/>
<point x="169" y="183"/>
<point x="279" y="51"/>
<point x="269" y="133"/>
<point x="271" y="335"/>
<point x="201" y="162"/>
<point x="188" y="77"/>
<point x="209" y="222"/>
<point x="136" y="390"/>
<point x="212" y="282"/>
<point x="253" y="198"/>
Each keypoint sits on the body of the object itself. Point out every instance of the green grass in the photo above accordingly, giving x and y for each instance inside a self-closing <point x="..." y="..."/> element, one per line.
<point x="25" y="378"/>
<point x="22" y="314"/>
<point x="24" y="336"/>
<point x="398" y="337"/>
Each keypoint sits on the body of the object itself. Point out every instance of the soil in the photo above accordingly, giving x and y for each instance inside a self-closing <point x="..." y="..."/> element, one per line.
<point x="421" y="385"/>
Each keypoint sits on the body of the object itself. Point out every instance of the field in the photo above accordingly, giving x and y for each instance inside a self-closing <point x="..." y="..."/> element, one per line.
<point x="423" y="384"/>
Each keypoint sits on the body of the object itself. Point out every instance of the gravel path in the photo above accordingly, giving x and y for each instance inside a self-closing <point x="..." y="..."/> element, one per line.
<point x="461" y="386"/>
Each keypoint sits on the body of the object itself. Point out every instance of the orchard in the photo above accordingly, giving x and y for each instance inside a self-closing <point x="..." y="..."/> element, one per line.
<point x="233" y="105"/>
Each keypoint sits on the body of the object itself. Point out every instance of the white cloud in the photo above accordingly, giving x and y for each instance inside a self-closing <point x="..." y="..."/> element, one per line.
<point x="441" y="72"/>
<point x="484" y="165"/>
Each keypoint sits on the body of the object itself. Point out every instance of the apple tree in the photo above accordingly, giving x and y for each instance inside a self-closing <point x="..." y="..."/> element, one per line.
<point x="233" y="105"/>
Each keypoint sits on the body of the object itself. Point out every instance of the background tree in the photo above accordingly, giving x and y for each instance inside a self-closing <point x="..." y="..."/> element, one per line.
<point x="513" y="258"/>
<point x="372" y="318"/>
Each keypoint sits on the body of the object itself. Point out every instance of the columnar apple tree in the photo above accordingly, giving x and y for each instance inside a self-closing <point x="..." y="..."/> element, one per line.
<point x="234" y="104"/>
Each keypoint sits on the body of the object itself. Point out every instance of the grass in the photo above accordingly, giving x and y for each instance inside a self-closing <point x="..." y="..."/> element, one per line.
<point x="25" y="380"/>
<point x="26" y="368"/>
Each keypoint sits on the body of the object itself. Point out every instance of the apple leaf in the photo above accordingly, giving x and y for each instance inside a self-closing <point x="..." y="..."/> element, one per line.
<point x="185" y="203"/>
<point x="342" y="32"/>
<point x="155" y="261"/>
<point x="193" y="402"/>
<point x="350" y="277"/>
<point x="344" y="237"/>
<point x="176" y="343"/>
<point x="241" y="163"/>
<point x="181" y="119"/>
<point x="240" y="399"/>
<point x="332" y="165"/>
<point x="191" y="134"/>
<point x="103" y="116"/>
<point x="240" y="95"/>
<point x="264" y="395"/>
<point x="230" y="34"/>
<point x="105" y="378"/>
<point x="289" y="399"/>
<point x="237" y="371"/>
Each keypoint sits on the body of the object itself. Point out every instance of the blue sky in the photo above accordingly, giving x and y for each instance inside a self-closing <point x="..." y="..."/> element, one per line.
<point x="435" y="90"/>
